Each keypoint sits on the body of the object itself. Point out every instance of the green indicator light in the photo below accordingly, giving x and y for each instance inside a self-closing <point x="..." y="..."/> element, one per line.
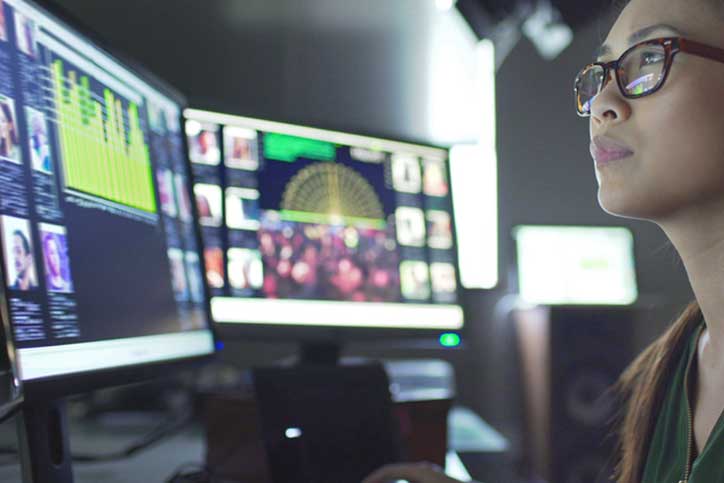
<point x="449" y="340"/>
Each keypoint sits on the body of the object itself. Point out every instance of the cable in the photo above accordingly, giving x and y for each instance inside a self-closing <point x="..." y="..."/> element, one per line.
<point x="164" y="430"/>
<point x="14" y="408"/>
<point x="197" y="473"/>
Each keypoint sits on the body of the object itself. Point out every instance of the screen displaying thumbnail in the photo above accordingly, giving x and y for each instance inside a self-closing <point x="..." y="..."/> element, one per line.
<point x="99" y="248"/>
<point x="296" y="219"/>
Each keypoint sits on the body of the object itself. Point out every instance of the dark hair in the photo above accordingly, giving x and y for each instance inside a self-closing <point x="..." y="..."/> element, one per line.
<point x="619" y="5"/>
<point x="23" y="240"/>
<point x="642" y="388"/>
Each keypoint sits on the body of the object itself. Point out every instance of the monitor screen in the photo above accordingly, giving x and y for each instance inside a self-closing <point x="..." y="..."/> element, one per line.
<point x="311" y="227"/>
<point x="101" y="265"/>
<point x="574" y="265"/>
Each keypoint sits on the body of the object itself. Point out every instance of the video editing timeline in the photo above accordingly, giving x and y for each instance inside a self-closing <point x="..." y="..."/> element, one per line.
<point x="88" y="152"/>
<point x="309" y="227"/>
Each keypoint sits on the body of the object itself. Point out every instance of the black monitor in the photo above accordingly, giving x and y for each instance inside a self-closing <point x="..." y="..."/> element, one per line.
<point x="101" y="269"/>
<point x="318" y="234"/>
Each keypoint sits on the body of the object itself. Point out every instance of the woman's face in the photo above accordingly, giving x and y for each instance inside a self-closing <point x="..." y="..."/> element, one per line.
<point x="676" y="135"/>
<point x="53" y="257"/>
<point x="22" y="260"/>
<point x="4" y="124"/>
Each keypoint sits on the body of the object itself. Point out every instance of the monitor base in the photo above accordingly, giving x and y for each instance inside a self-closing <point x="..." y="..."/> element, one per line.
<point x="44" y="443"/>
<point x="320" y="353"/>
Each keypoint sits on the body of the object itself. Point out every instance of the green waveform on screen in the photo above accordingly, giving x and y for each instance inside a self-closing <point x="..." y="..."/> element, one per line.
<point x="102" y="157"/>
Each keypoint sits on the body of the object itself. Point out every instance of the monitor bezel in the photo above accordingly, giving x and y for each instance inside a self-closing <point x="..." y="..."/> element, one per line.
<point x="79" y="382"/>
<point x="336" y="334"/>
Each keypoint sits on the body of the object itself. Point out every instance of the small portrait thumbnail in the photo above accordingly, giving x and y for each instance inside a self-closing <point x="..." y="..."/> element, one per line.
<point x="38" y="143"/>
<point x="183" y="199"/>
<point x="241" y="149"/>
<point x="246" y="270"/>
<point x="162" y="119"/>
<point x="55" y="257"/>
<point x="415" y="280"/>
<point x="164" y="180"/>
<point x="3" y="26"/>
<point x="435" y="180"/>
<point x="442" y="276"/>
<point x="242" y="208"/>
<point x="406" y="176"/>
<point x="178" y="274"/>
<point x="195" y="279"/>
<point x="439" y="229"/>
<point x="214" y="261"/>
<point x="410" y="224"/>
<point x="25" y="34"/>
<point x="9" y="133"/>
<point x="19" y="254"/>
<point x="208" y="202"/>
<point x="203" y="140"/>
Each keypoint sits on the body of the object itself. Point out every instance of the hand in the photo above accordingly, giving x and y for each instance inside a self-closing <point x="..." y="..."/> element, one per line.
<point x="412" y="472"/>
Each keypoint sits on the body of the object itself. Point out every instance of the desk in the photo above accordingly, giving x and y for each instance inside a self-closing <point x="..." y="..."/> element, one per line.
<point x="151" y="466"/>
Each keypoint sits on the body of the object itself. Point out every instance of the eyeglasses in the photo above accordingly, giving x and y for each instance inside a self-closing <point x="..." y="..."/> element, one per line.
<point x="640" y="71"/>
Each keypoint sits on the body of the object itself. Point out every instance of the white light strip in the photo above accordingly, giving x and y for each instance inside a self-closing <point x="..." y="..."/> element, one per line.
<point x="474" y="181"/>
<point x="485" y="84"/>
<point x="37" y="362"/>
<point x="85" y="47"/>
<point x="320" y="134"/>
<point x="336" y="314"/>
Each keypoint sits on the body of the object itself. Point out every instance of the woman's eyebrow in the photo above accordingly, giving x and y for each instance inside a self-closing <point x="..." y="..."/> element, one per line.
<point x="640" y="35"/>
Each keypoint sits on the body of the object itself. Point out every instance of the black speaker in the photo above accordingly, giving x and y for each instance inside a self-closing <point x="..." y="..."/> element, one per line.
<point x="570" y="357"/>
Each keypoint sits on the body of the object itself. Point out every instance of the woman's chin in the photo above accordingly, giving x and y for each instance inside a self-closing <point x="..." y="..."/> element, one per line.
<point x="618" y="204"/>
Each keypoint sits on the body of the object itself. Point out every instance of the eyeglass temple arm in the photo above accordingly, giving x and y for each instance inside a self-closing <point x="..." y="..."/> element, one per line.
<point x="702" y="50"/>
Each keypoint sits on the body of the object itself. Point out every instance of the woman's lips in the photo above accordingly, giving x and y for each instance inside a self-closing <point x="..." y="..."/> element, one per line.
<point x="605" y="150"/>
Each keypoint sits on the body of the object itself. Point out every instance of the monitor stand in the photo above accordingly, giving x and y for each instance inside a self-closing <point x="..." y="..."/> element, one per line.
<point x="320" y="353"/>
<point x="44" y="443"/>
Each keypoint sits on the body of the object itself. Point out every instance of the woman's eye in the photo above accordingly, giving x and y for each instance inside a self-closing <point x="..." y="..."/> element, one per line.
<point x="648" y="58"/>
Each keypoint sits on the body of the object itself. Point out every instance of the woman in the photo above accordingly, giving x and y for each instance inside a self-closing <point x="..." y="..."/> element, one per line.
<point x="24" y="263"/>
<point x="8" y="133"/>
<point x="39" y="147"/>
<point x="55" y="279"/>
<point x="657" y="134"/>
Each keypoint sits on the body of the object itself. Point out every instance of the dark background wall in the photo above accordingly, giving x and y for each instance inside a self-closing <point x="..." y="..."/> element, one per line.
<point x="363" y="66"/>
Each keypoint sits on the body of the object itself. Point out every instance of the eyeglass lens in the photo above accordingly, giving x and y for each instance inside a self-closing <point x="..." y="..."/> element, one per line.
<point x="640" y="72"/>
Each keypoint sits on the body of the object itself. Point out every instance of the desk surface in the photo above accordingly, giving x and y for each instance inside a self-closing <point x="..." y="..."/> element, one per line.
<point x="154" y="465"/>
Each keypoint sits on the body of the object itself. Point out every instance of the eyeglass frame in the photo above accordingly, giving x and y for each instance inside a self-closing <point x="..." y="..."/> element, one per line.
<point x="671" y="45"/>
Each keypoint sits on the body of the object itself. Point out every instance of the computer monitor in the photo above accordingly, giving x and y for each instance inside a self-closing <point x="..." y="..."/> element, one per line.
<point x="100" y="253"/>
<point x="576" y="265"/>
<point x="11" y="395"/>
<point x="307" y="230"/>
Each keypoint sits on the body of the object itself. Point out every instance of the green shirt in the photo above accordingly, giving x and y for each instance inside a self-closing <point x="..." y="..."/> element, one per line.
<point x="667" y="460"/>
